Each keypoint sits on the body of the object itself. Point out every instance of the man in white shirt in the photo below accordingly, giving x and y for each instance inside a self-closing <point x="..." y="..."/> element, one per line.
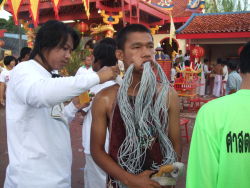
<point x="224" y="77"/>
<point x="94" y="176"/>
<point x="234" y="79"/>
<point x="38" y="136"/>
<point x="87" y="66"/>
<point x="9" y="62"/>
<point x="173" y="73"/>
<point x="207" y="77"/>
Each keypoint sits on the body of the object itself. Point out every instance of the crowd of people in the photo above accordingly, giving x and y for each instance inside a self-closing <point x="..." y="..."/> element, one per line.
<point x="130" y="129"/>
<point x="214" y="80"/>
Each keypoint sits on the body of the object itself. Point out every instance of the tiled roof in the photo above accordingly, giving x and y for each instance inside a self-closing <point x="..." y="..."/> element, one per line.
<point x="180" y="8"/>
<point x="217" y="23"/>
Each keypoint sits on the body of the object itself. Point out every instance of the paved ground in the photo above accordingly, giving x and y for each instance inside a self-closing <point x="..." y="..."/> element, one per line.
<point x="78" y="156"/>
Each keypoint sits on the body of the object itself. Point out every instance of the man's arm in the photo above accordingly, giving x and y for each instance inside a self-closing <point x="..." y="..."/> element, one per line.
<point x="2" y="93"/>
<point x="231" y="85"/>
<point x="174" y="122"/>
<point x="98" y="136"/>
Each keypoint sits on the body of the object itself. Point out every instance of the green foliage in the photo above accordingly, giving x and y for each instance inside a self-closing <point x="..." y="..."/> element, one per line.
<point x="228" y="5"/>
<point x="245" y="5"/>
<point x="10" y="26"/>
<point x="239" y="7"/>
<point x="75" y="60"/>
<point x="213" y="6"/>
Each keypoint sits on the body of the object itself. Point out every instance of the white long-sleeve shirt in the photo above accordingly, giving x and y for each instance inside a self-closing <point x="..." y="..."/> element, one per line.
<point x="38" y="135"/>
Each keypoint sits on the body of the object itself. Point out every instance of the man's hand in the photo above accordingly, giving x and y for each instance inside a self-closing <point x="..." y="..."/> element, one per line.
<point x="78" y="105"/>
<point x="108" y="73"/>
<point x="2" y="102"/>
<point x="143" y="180"/>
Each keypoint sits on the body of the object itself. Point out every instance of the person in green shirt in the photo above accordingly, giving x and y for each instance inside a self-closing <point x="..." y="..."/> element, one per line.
<point x="220" y="148"/>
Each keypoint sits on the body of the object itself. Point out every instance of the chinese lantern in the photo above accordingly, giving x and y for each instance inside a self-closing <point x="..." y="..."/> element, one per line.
<point x="2" y="43"/>
<point x="198" y="52"/>
<point x="82" y="27"/>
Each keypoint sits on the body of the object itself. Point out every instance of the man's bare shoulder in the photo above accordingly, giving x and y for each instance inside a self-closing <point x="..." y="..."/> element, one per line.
<point x="108" y="94"/>
<point x="171" y="93"/>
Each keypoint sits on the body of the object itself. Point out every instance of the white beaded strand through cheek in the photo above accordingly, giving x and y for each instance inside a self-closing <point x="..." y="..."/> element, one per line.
<point x="144" y="120"/>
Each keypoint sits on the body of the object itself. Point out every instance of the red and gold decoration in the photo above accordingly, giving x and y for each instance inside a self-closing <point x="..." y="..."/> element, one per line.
<point x="98" y="30"/>
<point x="154" y="29"/>
<point x="30" y="32"/>
<point x="86" y="7"/>
<point x="111" y="19"/>
<point x="34" y="8"/>
<point x="56" y="8"/>
<point x="15" y="4"/>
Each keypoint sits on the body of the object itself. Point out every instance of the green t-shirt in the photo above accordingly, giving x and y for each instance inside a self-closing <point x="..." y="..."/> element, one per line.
<point x="219" y="154"/>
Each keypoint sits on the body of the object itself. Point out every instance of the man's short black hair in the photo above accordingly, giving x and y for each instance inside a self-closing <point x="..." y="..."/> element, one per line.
<point x="219" y="61"/>
<point x="8" y="59"/>
<point x="233" y="64"/>
<point x="104" y="52"/>
<point x="187" y="63"/>
<point x="245" y="59"/>
<point x="124" y="32"/>
<point x="24" y="52"/>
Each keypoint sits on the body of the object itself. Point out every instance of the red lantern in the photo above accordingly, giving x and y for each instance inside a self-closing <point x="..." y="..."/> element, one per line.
<point x="240" y="49"/>
<point x="82" y="27"/>
<point x="198" y="52"/>
<point x="2" y="43"/>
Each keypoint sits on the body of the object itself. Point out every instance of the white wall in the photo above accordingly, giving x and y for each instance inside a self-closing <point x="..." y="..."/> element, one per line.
<point x="159" y="37"/>
<point x="220" y="48"/>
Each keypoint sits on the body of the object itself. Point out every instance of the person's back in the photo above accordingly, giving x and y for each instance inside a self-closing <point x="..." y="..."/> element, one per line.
<point x="219" y="151"/>
<point x="223" y="158"/>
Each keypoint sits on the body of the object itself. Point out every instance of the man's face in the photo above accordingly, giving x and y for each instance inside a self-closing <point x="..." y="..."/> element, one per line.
<point x="138" y="49"/>
<point x="58" y="57"/>
<point x="12" y="64"/>
<point x="26" y="57"/>
<point x="88" y="61"/>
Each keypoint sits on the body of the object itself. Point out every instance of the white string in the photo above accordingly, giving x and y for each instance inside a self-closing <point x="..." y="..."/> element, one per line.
<point x="145" y="118"/>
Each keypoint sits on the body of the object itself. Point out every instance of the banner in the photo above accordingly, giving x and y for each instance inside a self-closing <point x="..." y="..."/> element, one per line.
<point x="2" y="3"/>
<point x="172" y="30"/>
<point x="34" y="10"/>
<point x="56" y="8"/>
<point x="86" y="7"/>
<point x="15" y="4"/>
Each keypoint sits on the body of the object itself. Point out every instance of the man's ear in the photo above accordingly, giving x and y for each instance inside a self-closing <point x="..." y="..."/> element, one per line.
<point x="119" y="54"/>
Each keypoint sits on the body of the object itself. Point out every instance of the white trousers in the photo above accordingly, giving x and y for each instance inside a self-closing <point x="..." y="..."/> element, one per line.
<point x="94" y="176"/>
<point x="217" y="85"/>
